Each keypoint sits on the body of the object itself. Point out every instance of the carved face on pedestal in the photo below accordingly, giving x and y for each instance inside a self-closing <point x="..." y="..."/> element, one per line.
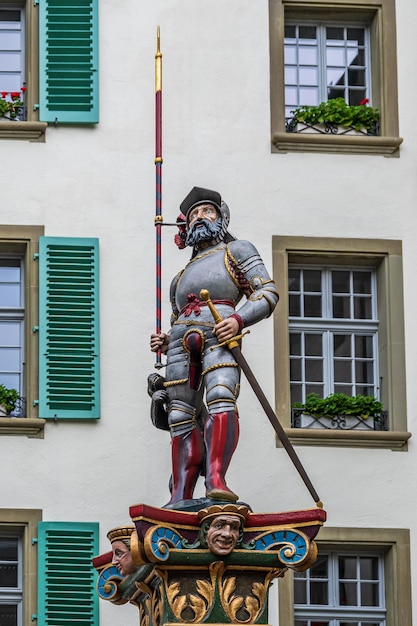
<point x="223" y="534"/>
<point x="122" y="558"/>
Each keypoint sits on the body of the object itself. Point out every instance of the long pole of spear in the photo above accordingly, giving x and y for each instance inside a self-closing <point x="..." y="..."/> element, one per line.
<point x="158" y="186"/>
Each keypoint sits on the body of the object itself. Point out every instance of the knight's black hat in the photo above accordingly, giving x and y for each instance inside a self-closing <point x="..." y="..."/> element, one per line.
<point x="197" y="196"/>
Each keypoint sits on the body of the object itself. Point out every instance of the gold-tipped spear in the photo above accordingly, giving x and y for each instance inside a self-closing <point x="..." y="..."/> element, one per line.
<point x="158" y="186"/>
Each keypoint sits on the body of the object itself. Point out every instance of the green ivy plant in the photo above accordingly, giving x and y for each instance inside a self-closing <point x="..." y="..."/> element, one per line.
<point x="8" y="398"/>
<point x="338" y="112"/>
<point x="340" y="404"/>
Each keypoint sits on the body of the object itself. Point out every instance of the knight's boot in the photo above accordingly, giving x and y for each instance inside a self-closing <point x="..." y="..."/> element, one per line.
<point x="187" y="452"/>
<point x="221" y="434"/>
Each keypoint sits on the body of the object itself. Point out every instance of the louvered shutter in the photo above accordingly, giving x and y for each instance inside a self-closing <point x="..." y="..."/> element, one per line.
<point x="68" y="57"/>
<point x="66" y="578"/>
<point x="68" y="328"/>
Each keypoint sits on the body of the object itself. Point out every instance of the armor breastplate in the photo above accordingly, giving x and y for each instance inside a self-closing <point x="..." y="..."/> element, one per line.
<point x="207" y="271"/>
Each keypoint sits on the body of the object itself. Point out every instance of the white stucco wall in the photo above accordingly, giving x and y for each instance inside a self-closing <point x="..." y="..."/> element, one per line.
<point x="100" y="182"/>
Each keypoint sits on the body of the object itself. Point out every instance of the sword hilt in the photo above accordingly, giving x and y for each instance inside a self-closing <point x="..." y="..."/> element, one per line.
<point x="230" y="343"/>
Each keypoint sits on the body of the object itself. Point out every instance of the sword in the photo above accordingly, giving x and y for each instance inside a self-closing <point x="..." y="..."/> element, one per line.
<point x="233" y="345"/>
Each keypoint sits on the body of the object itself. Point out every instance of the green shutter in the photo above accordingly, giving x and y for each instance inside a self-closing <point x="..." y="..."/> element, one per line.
<point x="68" y="56"/>
<point x="66" y="578"/>
<point x="69" y="385"/>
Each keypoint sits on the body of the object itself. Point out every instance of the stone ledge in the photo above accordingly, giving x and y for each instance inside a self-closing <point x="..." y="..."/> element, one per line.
<point x="27" y="131"/>
<point x="31" y="427"/>
<point x="343" y="144"/>
<point x="391" y="440"/>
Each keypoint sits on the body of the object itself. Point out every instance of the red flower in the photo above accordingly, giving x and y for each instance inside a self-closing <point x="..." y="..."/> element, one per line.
<point x="4" y="93"/>
<point x="15" y="95"/>
<point x="23" y="89"/>
<point x="364" y="101"/>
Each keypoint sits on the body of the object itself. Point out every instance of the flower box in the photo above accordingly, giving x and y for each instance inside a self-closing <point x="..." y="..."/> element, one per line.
<point x="338" y="422"/>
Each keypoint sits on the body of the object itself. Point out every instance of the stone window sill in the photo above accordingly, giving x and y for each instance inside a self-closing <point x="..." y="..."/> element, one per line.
<point x="391" y="440"/>
<point x="31" y="427"/>
<point x="27" y="131"/>
<point x="343" y="144"/>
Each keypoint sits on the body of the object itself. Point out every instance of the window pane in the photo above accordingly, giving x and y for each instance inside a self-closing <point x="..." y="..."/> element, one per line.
<point x="308" y="76"/>
<point x="290" y="55"/>
<point x="356" y="96"/>
<point x="312" y="306"/>
<point x="290" y="76"/>
<point x="296" y="393"/>
<point x="341" y="307"/>
<point x="342" y="371"/>
<point x="307" y="33"/>
<point x="294" y="305"/>
<point x="8" y="615"/>
<point x="308" y="56"/>
<point x="312" y="280"/>
<point x="348" y="594"/>
<point x="364" y="372"/>
<point x="347" y="567"/>
<point x="295" y="369"/>
<point x="318" y="389"/>
<point x="362" y="307"/>
<point x="356" y="77"/>
<point x="356" y="35"/>
<point x="369" y="568"/>
<point x="369" y="594"/>
<point x="340" y="281"/>
<point x="295" y="344"/>
<point x="320" y="568"/>
<point x="289" y="31"/>
<point x="335" y="57"/>
<point x="313" y="345"/>
<point x="300" y="591"/>
<point x="8" y="562"/>
<point x="335" y="35"/>
<point x="8" y="549"/>
<point x="319" y="593"/>
<point x="342" y="346"/>
<point x="309" y="96"/>
<point x="314" y="370"/>
<point x="364" y="346"/>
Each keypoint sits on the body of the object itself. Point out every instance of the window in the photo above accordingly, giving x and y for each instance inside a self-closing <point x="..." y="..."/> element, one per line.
<point x="18" y="565"/>
<point x="333" y="331"/>
<point x="36" y="559"/>
<point x="341" y="588"/>
<point x="10" y="579"/>
<point x="361" y="578"/>
<point x="49" y="328"/>
<point x="321" y="50"/>
<point x="344" y="332"/>
<point x="325" y="61"/>
<point x="12" y="310"/>
<point x="50" y="50"/>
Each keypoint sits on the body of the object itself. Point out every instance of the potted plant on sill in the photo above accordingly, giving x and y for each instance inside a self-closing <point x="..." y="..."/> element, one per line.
<point x="12" y="105"/>
<point x="335" y="115"/>
<point x="8" y="399"/>
<point x="340" y="411"/>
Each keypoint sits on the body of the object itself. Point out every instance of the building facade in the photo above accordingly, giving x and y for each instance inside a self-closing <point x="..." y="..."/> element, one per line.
<point x="331" y="210"/>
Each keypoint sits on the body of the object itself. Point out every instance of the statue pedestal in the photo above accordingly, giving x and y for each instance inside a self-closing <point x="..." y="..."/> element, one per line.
<point x="179" y="580"/>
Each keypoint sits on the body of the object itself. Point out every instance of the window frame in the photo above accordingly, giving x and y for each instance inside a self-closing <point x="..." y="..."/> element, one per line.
<point x="328" y="326"/>
<point x="24" y="240"/>
<point x="322" y="66"/>
<point x="24" y="522"/>
<point x="394" y="543"/>
<point x="32" y="129"/>
<point x="387" y="256"/>
<point x="381" y="17"/>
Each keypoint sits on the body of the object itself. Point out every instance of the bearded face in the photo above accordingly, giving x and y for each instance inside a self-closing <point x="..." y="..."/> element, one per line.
<point x="203" y="230"/>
